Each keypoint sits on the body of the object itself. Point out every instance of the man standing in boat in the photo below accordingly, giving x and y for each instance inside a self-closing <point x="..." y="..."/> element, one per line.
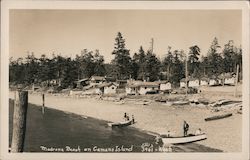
<point x="185" y="128"/>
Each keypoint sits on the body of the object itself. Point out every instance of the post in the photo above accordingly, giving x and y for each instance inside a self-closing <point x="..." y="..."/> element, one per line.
<point x="186" y="73"/>
<point x="236" y="80"/>
<point x="43" y="97"/>
<point x="19" y="121"/>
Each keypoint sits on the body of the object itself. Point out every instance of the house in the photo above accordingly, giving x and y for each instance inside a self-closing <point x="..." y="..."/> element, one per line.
<point x="193" y="82"/>
<point x="214" y="81"/>
<point x="142" y="88"/>
<point x="204" y="81"/>
<point x="229" y="79"/>
<point x="81" y="83"/>
<point x="183" y="83"/>
<point x="164" y="85"/>
<point x="96" y="80"/>
<point x="106" y="88"/>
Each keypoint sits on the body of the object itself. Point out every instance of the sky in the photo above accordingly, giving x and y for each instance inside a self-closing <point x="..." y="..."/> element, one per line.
<point x="67" y="32"/>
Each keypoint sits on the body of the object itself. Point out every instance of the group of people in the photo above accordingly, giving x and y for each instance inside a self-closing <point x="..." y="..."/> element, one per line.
<point x="186" y="128"/>
<point x="127" y="118"/>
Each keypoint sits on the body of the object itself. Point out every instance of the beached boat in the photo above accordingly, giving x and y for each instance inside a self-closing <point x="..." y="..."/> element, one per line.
<point x="180" y="102"/>
<point x="181" y="140"/>
<point x="218" y="117"/>
<point x="120" y="124"/>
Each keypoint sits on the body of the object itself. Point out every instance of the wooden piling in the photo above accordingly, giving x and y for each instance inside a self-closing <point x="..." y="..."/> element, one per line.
<point x="43" y="108"/>
<point x="19" y="121"/>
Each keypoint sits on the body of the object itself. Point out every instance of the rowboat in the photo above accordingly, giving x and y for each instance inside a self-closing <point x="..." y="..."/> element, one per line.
<point x="186" y="139"/>
<point x="120" y="124"/>
<point x="218" y="117"/>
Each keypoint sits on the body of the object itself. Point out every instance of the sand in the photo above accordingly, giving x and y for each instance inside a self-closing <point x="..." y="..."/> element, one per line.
<point x="224" y="134"/>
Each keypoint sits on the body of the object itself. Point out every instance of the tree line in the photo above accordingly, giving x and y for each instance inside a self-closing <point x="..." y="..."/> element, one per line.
<point x="143" y="65"/>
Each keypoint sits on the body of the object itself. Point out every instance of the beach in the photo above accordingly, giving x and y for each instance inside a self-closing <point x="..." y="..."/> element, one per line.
<point x="224" y="134"/>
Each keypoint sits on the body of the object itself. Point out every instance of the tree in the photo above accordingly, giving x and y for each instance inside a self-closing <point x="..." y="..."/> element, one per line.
<point x="98" y="61"/>
<point x="152" y="66"/>
<point x="193" y="61"/>
<point x="139" y="64"/>
<point x="122" y="60"/>
<point x="215" y="60"/>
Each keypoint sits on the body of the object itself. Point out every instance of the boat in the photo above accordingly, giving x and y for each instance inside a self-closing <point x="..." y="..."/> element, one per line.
<point x="218" y="117"/>
<point x="121" y="124"/>
<point x="181" y="140"/>
<point x="180" y="102"/>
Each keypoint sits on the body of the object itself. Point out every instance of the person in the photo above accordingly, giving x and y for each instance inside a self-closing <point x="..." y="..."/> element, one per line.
<point x="198" y="132"/>
<point x="133" y="119"/>
<point x="185" y="128"/>
<point x="168" y="134"/>
<point x="125" y="116"/>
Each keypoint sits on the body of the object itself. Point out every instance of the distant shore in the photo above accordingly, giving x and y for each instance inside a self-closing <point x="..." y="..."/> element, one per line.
<point x="156" y="117"/>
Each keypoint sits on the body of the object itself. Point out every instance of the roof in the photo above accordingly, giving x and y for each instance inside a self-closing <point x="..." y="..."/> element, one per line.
<point x="105" y="85"/>
<point x="82" y="80"/>
<point x="205" y="79"/>
<point x="162" y="82"/>
<point x="143" y="84"/>
<point x="100" y="78"/>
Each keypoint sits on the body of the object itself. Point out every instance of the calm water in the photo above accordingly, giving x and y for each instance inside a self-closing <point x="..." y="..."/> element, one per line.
<point x="57" y="130"/>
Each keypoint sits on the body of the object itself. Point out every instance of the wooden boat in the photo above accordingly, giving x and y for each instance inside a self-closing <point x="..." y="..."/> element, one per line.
<point x="120" y="124"/>
<point x="218" y="117"/>
<point x="181" y="140"/>
<point x="180" y="102"/>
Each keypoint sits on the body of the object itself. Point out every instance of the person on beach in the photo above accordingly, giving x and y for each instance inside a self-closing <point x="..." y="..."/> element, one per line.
<point x="185" y="128"/>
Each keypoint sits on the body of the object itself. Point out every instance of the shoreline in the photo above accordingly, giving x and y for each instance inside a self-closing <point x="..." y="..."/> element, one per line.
<point x="165" y="118"/>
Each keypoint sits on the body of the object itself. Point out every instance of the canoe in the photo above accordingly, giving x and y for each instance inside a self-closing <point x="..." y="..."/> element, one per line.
<point x="182" y="140"/>
<point x="218" y="117"/>
<point x="120" y="124"/>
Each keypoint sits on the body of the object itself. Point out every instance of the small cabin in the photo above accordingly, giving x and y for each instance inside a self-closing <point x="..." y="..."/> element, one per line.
<point x="81" y="83"/>
<point x="146" y="87"/>
<point x="96" y="80"/>
<point x="183" y="83"/>
<point x="164" y="85"/>
<point x="106" y="88"/>
<point x="204" y="81"/>
<point x="193" y="82"/>
<point x="229" y="79"/>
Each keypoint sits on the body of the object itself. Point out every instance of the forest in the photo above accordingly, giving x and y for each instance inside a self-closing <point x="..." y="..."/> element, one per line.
<point x="142" y="65"/>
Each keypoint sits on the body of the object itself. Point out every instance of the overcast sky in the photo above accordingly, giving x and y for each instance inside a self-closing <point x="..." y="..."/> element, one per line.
<point x="70" y="31"/>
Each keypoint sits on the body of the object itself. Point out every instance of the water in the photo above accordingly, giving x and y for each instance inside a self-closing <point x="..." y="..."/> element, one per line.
<point x="66" y="132"/>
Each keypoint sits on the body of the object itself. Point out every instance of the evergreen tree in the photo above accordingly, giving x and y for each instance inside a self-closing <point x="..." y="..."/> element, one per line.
<point x="122" y="60"/>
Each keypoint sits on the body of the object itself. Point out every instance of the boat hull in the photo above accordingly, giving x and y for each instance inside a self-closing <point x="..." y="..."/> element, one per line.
<point x="218" y="117"/>
<point x="120" y="124"/>
<point x="181" y="140"/>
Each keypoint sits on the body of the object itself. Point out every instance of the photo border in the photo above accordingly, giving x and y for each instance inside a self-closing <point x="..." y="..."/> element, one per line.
<point x="122" y="5"/>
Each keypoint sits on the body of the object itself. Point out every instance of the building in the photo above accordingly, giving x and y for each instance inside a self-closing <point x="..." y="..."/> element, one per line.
<point x="194" y="82"/>
<point x="183" y="83"/>
<point x="142" y="88"/>
<point x="81" y="83"/>
<point x="96" y="80"/>
<point x="204" y="81"/>
<point x="229" y="79"/>
<point x="106" y="88"/>
<point x="164" y="85"/>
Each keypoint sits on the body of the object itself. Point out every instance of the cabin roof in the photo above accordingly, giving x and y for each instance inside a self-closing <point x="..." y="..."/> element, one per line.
<point x="105" y="85"/>
<point x="100" y="78"/>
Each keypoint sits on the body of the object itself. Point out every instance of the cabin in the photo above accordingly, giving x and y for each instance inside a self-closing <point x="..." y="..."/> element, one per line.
<point x="229" y="79"/>
<point x="131" y="89"/>
<point x="183" y="83"/>
<point x="164" y="85"/>
<point x="214" y="82"/>
<point x="106" y="88"/>
<point x="148" y="87"/>
<point x="96" y="80"/>
<point x="193" y="82"/>
<point x="82" y="83"/>
<point x="204" y="81"/>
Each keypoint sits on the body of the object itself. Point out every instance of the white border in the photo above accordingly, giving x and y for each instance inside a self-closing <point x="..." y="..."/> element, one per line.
<point x="222" y="5"/>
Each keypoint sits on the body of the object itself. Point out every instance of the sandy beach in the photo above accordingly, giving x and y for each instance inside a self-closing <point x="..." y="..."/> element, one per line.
<point x="224" y="134"/>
